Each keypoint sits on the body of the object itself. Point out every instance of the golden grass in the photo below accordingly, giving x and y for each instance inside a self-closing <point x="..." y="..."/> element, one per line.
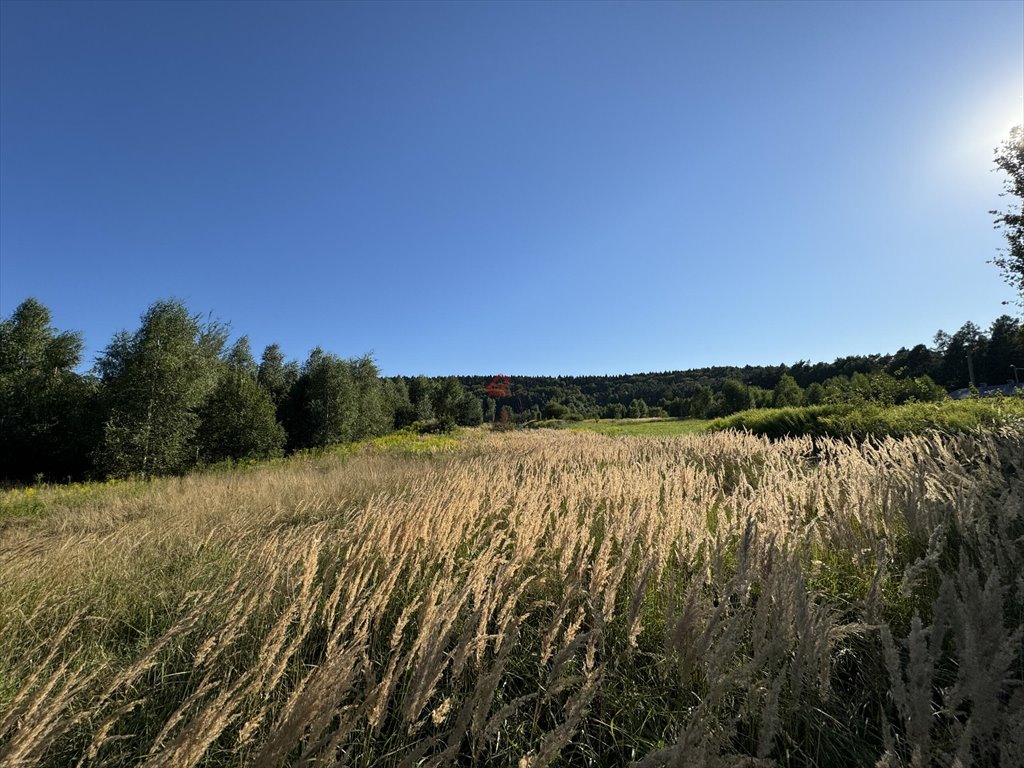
<point x="529" y="599"/>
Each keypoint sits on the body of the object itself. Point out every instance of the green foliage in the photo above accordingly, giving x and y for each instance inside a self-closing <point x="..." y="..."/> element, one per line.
<point x="374" y="416"/>
<point x="530" y="414"/>
<point x="238" y="420"/>
<point x="154" y="382"/>
<point x="736" y="396"/>
<point x="917" y="361"/>
<point x="637" y="409"/>
<point x="396" y="399"/>
<point x="140" y="415"/>
<point x="554" y="410"/>
<point x="1010" y="159"/>
<point x="275" y="375"/>
<point x="704" y="389"/>
<point x="860" y="422"/>
<point x="239" y="357"/>
<point x="446" y="399"/>
<point x="421" y="391"/>
<point x="701" y="402"/>
<point x="471" y="411"/>
<point x="814" y="394"/>
<point x="548" y="424"/>
<point x="335" y="401"/>
<point x="1003" y="353"/>
<point x="614" y="411"/>
<point x="410" y="442"/>
<point x="777" y="422"/>
<point x="881" y="389"/>
<point x="47" y="411"/>
<point x="787" y="393"/>
<point x="953" y="369"/>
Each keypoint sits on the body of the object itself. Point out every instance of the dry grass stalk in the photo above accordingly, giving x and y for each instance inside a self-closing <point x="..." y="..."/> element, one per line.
<point x="382" y="610"/>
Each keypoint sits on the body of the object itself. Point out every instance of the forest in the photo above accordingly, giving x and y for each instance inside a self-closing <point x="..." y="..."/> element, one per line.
<point x="174" y="395"/>
<point x="921" y="373"/>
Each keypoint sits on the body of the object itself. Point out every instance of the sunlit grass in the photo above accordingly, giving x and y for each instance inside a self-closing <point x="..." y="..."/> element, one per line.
<point x="35" y="500"/>
<point x="547" y="597"/>
<point x="649" y="427"/>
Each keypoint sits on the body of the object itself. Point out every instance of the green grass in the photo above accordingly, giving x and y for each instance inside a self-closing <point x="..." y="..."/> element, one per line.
<point x="35" y="500"/>
<point x="416" y="444"/>
<point x="647" y="427"/>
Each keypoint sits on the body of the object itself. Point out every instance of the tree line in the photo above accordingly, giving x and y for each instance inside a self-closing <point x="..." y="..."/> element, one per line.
<point x="921" y="373"/>
<point x="172" y="395"/>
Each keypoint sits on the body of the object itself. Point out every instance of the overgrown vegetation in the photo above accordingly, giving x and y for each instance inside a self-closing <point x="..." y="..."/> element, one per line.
<point x="871" y="420"/>
<point x="531" y="598"/>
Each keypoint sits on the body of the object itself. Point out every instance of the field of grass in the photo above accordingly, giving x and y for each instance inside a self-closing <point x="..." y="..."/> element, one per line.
<point x="649" y="427"/>
<point x="528" y="598"/>
<point x="33" y="501"/>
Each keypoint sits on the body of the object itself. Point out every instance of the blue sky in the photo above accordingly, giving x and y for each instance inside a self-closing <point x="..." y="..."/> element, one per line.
<point x="532" y="188"/>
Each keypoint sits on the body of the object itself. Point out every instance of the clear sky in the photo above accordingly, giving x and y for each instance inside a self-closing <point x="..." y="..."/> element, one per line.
<point x="520" y="187"/>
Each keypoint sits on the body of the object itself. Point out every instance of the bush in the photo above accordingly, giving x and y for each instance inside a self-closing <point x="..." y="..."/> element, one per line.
<point x="614" y="411"/>
<point x="554" y="410"/>
<point x="547" y="424"/>
<point x="880" y="388"/>
<point x="860" y="422"/>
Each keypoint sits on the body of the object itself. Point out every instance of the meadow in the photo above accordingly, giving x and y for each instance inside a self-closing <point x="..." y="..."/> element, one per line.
<point x="528" y="598"/>
<point x="655" y="427"/>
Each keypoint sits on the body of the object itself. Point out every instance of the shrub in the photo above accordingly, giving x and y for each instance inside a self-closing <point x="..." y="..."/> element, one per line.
<point x="863" y="421"/>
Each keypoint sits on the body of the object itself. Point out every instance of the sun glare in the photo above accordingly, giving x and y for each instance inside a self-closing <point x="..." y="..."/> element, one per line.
<point x="974" y="129"/>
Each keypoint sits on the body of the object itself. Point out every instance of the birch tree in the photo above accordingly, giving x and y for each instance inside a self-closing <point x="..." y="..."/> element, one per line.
<point x="154" y="382"/>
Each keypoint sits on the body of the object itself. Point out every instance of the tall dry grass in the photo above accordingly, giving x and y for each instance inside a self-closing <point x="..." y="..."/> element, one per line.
<point x="533" y="599"/>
